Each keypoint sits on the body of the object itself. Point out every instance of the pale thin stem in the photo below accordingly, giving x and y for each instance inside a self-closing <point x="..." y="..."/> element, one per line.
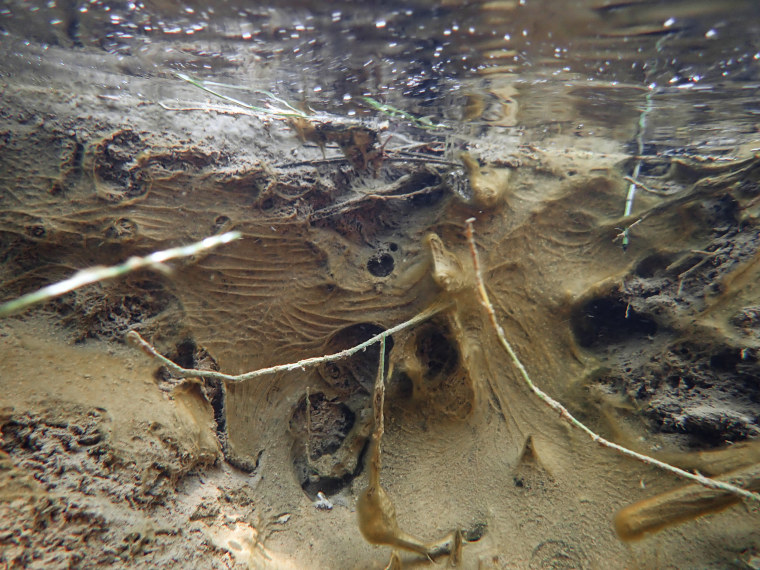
<point x="308" y="427"/>
<point x="257" y="91"/>
<point x="290" y="112"/>
<point x="135" y="338"/>
<point x="94" y="274"/>
<point x="564" y="413"/>
<point x="208" y="109"/>
<point x="379" y="399"/>
<point x="640" y="143"/>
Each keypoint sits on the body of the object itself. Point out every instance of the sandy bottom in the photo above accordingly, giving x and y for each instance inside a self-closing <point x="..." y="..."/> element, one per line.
<point x="108" y="459"/>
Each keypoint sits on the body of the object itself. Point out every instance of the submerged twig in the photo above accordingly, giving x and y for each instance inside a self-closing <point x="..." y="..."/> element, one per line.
<point x="135" y="338"/>
<point x="94" y="274"/>
<point x="208" y="109"/>
<point x="644" y="187"/>
<point x="338" y="159"/>
<point x="564" y="413"/>
<point x="708" y="255"/>
<point x="314" y="162"/>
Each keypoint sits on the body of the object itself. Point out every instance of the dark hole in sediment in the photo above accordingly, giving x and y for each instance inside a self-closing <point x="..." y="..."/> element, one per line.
<point x="318" y="433"/>
<point x="726" y="360"/>
<point x="437" y="353"/>
<point x="476" y="532"/>
<point x="606" y="320"/>
<point x="653" y="265"/>
<point x="401" y="386"/>
<point x="188" y="354"/>
<point x="215" y="390"/>
<point x="381" y="265"/>
<point x="326" y="425"/>
<point x="220" y="222"/>
<point x="332" y="485"/>
<point x="722" y="211"/>
<point x="184" y="354"/>
<point x="358" y="372"/>
<point x="419" y="181"/>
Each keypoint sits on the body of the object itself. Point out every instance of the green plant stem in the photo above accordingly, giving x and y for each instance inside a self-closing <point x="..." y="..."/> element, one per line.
<point x="422" y="122"/>
<point x="642" y="127"/>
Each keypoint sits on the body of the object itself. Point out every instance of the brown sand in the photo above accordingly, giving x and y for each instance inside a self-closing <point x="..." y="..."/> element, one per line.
<point x="108" y="462"/>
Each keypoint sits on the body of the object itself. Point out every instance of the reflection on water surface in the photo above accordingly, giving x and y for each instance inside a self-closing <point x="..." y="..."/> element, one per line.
<point x="589" y="69"/>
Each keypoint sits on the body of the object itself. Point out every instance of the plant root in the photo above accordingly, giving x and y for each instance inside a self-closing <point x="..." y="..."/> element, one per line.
<point x="564" y="413"/>
<point x="134" y="338"/>
<point x="375" y="508"/>
<point x="683" y="504"/>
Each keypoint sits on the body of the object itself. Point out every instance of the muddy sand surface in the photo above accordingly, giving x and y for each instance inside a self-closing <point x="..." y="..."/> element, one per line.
<point x="109" y="459"/>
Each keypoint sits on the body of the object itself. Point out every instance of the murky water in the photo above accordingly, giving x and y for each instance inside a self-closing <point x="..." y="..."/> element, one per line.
<point x="693" y="66"/>
<point x="343" y="139"/>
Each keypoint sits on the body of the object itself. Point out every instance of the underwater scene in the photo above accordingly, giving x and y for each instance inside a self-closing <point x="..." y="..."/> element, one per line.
<point x="347" y="284"/>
